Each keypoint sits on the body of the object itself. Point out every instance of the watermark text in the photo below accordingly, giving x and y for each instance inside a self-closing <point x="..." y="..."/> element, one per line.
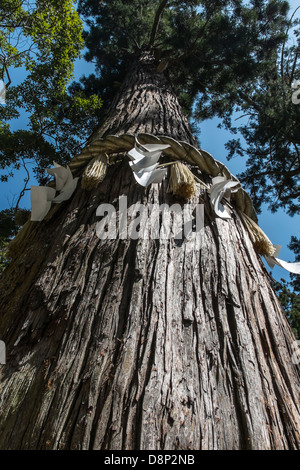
<point x="2" y="92"/>
<point x="153" y="221"/>
<point x="296" y="93"/>
<point x="2" y="353"/>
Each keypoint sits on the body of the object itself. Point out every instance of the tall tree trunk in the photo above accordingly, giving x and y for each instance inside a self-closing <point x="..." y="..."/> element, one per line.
<point x="147" y="343"/>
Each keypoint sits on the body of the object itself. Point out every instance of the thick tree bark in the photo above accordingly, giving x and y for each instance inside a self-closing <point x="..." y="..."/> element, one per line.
<point x="148" y="343"/>
<point x="146" y="103"/>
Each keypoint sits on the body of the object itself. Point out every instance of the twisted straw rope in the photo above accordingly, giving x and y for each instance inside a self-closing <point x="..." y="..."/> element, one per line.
<point x="259" y="239"/>
<point x="178" y="150"/>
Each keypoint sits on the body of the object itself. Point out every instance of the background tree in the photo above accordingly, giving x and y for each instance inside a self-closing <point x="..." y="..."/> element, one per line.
<point x="150" y="343"/>
<point x="270" y="133"/>
<point x="290" y="301"/>
<point x="43" y="38"/>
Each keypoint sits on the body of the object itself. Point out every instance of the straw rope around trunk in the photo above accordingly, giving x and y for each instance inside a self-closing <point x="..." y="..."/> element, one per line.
<point x="182" y="180"/>
<point x="92" y="164"/>
<point x="259" y="239"/>
<point x="178" y="150"/>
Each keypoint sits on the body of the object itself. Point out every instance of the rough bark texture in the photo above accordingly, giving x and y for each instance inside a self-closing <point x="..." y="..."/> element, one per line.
<point x="146" y="103"/>
<point x="143" y="344"/>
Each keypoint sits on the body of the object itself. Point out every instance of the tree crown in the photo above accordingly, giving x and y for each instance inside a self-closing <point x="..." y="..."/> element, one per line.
<point x="221" y="57"/>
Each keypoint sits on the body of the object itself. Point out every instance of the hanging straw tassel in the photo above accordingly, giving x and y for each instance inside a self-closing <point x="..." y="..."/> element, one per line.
<point x="260" y="240"/>
<point x="94" y="172"/>
<point x="182" y="181"/>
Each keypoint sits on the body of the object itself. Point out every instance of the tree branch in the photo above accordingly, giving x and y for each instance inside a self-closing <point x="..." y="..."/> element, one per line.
<point x="284" y="43"/>
<point x="26" y="181"/>
<point x="8" y="76"/>
<point x="293" y="68"/>
<point x="269" y="172"/>
<point x="156" y="22"/>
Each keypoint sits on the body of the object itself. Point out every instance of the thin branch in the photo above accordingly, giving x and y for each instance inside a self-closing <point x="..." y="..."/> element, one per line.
<point x="271" y="172"/>
<point x="293" y="68"/>
<point x="156" y="22"/>
<point x="243" y="115"/>
<point x="297" y="151"/>
<point x="250" y="101"/>
<point x="283" y="45"/>
<point x="26" y="181"/>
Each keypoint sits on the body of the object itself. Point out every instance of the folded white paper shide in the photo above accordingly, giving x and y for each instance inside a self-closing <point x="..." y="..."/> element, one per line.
<point x="221" y="187"/>
<point x="273" y="260"/>
<point x="41" y="199"/>
<point x="65" y="183"/>
<point x="145" y="162"/>
<point x="42" y="196"/>
<point x="60" y="174"/>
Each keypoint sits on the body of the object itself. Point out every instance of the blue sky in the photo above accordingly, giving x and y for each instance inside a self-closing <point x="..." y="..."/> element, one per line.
<point x="279" y="227"/>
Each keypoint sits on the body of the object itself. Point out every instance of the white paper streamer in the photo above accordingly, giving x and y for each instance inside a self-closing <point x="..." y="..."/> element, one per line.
<point x="41" y="198"/>
<point x="273" y="260"/>
<point x="221" y="187"/>
<point x="144" y="178"/>
<point x="61" y="175"/>
<point x="65" y="183"/>
<point x="145" y="162"/>
<point x="66" y="192"/>
<point x="150" y="148"/>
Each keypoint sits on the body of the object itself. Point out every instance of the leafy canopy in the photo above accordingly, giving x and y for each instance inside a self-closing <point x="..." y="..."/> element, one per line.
<point x="270" y="132"/>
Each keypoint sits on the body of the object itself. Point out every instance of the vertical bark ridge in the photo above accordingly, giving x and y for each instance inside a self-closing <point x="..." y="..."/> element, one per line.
<point x="146" y="100"/>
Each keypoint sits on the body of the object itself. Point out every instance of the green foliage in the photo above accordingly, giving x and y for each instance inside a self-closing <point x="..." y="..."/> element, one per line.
<point x="271" y="138"/>
<point x="10" y="223"/>
<point x="288" y="293"/>
<point x="295" y="247"/>
<point x="44" y="38"/>
<point x="290" y="302"/>
<point x="269" y="133"/>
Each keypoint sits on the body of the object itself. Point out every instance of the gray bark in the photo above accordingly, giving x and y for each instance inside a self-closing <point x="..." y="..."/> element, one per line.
<point x="143" y="344"/>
